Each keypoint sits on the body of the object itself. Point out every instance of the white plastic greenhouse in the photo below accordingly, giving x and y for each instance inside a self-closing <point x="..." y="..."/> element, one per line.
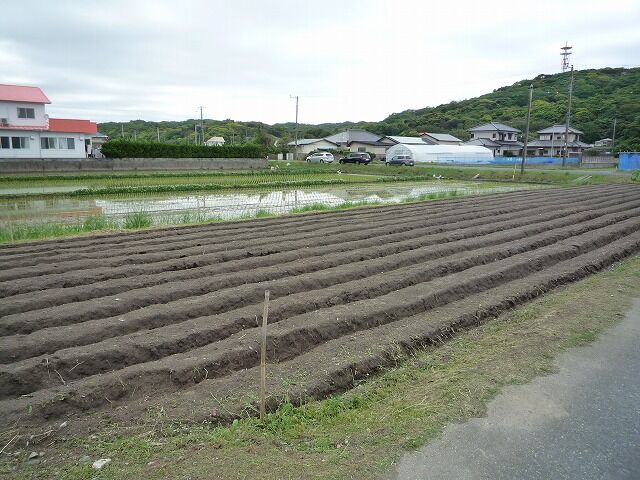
<point x="442" y="153"/>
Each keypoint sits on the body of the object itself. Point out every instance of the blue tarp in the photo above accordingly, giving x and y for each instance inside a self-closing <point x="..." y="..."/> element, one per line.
<point x="629" y="161"/>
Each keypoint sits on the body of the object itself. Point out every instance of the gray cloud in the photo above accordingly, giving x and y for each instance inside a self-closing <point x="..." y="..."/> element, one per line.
<point x="120" y="60"/>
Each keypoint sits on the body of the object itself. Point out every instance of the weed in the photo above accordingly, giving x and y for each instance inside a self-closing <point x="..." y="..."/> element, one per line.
<point x="136" y="220"/>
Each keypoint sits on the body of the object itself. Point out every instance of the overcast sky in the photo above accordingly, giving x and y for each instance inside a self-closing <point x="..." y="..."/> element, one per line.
<point x="347" y="59"/>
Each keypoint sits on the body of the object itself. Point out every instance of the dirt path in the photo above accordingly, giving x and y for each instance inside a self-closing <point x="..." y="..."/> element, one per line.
<point x="580" y="423"/>
<point x="166" y="317"/>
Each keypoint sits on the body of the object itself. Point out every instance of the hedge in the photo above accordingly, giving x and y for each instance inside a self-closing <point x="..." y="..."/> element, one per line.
<point x="128" y="149"/>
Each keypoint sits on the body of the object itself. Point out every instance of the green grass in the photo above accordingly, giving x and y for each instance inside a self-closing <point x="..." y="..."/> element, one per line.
<point x="16" y="232"/>
<point x="137" y="220"/>
<point x="361" y="433"/>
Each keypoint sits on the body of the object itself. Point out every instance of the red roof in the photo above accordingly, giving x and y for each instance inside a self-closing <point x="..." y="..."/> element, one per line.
<point x="19" y="93"/>
<point x="67" y="125"/>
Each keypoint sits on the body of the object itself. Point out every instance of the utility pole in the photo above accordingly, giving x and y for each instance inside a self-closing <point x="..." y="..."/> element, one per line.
<point x="566" y="126"/>
<point x="295" y="154"/>
<point x="526" y="131"/>
<point x="201" y="128"/>
<point x="158" y="133"/>
<point x="613" y="139"/>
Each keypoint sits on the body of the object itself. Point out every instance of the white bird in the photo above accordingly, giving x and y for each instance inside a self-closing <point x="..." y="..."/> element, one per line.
<point x="288" y="164"/>
<point x="339" y="172"/>
<point x="437" y="177"/>
<point x="273" y="168"/>
<point x="477" y="175"/>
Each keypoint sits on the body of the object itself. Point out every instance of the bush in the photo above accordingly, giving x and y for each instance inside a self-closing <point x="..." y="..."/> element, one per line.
<point x="127" y="149"/>
<point x="635" y="176"/>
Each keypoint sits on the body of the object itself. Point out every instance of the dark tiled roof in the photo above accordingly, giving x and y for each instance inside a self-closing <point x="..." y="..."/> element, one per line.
<point x="559" y="129"/>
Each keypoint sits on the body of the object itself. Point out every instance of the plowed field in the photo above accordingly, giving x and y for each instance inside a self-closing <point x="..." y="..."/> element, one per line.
<point x="118" y="324"/>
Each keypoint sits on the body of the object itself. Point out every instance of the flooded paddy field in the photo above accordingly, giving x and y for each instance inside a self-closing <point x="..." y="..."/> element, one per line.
<point x="183" y="207"/>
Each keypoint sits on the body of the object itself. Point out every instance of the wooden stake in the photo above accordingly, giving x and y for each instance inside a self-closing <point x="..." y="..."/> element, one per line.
<point x="263" y="356"/>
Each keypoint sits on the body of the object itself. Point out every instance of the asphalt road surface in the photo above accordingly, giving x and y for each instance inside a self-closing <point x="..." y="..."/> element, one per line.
<point x="580" y="423"/>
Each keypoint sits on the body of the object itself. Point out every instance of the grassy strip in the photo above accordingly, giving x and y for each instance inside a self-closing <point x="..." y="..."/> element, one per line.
<point x="360" y="434"/>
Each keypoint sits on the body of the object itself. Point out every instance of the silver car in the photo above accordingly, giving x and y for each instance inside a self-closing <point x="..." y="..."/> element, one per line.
<point x="320" y="157"/>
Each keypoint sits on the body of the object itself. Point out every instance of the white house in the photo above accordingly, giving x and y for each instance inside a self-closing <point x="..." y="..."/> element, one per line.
<point x="308" y="145"/>
<point x="550" y="142"/>
<point x="215" y="142"/>
<point x="498" y="137"/>
<point x="26" y="131"/>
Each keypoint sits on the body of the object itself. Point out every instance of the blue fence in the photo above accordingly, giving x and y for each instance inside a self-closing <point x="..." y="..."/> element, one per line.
<point x="629" y="161"/>
<point x="534" y="160"/>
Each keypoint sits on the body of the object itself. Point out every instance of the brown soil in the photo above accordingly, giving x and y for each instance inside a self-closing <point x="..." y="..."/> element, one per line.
<point x="115" y="324"/>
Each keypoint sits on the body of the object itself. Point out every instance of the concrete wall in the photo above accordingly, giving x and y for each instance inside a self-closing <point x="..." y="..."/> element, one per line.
<point x="128" y="164"/>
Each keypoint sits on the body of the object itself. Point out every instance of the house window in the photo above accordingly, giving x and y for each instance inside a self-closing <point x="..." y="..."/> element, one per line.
<point x="558" y="137"/>
<point x="362" y="149"/>
<point x="26" y="112"/>
<point x="509" y="137"/>
<point x="4" y="142"/>
<point x="47" y="143"/>
<point x="493" y="135"/>
<point x="472" y="135"/>
<point x="66" y="143"/>
<point x="19" y="142"/>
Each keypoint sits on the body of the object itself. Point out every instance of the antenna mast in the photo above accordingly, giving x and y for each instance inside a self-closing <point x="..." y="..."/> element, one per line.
<point x="566" y="51"/>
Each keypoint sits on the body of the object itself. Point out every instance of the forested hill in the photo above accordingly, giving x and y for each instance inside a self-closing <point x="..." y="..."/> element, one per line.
<point x="599" y="97"/>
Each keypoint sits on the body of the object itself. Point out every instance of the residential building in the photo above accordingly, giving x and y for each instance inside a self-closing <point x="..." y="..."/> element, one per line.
<point x="501" y="139"/>
<point x="603" y="143"/>
<point x="440" y="139"/>
<point x="26" y="131"/>
<point x="379" y="148"/>
<point x="550" y="142"/>
<point x="215" y="142"/>
<point x="308" y="145"/>
<point x="342" y="139"/>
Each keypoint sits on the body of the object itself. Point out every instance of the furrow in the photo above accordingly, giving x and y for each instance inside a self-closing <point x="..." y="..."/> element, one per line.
<point x="188" y="306"/>
<point x="134" y="292"/>
<point x="291" y="336"/>
<point x="343" y="279"/>
<point x="177" y="372"/>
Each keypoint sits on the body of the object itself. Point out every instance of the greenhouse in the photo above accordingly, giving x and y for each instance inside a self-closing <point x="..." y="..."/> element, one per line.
<point x="462" y="154"/>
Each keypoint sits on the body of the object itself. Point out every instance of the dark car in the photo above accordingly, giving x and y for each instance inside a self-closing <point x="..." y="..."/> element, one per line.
<point x="405" y="160"/>
<point x="357" y="157"/>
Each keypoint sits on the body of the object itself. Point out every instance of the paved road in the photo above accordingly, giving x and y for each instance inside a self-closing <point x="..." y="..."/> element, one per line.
<point x="581" y="423"/>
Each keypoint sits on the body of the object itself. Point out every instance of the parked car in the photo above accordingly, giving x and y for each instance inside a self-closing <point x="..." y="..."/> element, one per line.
<point x="320" y="157"/>
<point x="357" y="157"/>
<point x="405" y="160"/>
